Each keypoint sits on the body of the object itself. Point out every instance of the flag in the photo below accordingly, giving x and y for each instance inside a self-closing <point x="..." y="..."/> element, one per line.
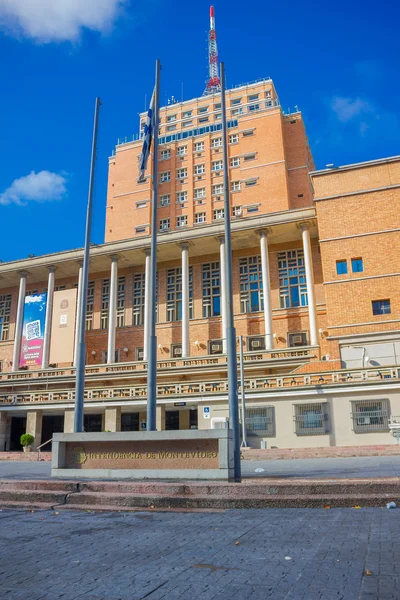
<point x="147" y="138"/>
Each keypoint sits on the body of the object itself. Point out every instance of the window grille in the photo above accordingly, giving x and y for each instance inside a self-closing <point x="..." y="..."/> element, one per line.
<point x="370" y="415"/>
<point x="256" y="343"/>
<point x="105" y="300"/>
<point x="90" y="306"/>
<point x="138" y="298"/>
<point x="260" y="421"/>
<point x="215" y="347"/>
<point x="292" y="279"/>
<point x="297" y="338"/>
<point x="174" y="294"/>
<point x="251" y="292"/>
<point x="311" y="419"/>
<point x="121" y="302"/>
<point x="5" y="311"/>
<point x="211" y="290"/>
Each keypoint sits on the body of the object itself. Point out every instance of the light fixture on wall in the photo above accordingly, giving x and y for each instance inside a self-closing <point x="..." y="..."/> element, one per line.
<point x="94" y="352"/>
<point x="275" y="336"/>
<point x="161" y="348"/>
<point x="126" y="350"/>
<point x="197" y="344"/>
<point x="322" y="332"/>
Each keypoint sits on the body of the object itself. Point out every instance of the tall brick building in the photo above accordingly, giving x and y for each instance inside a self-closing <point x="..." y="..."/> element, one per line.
<point x="316" y="290"/>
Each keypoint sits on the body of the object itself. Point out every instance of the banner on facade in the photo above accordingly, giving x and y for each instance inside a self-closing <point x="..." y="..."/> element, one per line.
<point x="63" y="327"/>
<point x="33" y="330"/>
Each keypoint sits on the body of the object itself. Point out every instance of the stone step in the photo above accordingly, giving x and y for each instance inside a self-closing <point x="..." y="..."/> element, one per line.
<point x="24" y="505"/>
<point x="32" y="496"/>
<point x="26" y="456"/>
<point x="38" y="484"/>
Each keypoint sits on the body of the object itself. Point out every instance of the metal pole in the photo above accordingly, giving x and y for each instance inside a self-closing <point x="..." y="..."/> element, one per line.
<point x="244" y="439"/>
<point x="230" y="329"/>
<point x="152" y="346"/>
<point x="81" y="354"/>
<point x="49" y="316"/>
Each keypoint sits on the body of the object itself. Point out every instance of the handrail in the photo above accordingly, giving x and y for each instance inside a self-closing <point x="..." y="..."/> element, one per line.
<point x="41" y="446"/>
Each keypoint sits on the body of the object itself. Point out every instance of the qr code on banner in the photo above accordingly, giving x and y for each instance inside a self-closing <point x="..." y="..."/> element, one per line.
<point x="33" y="330"/>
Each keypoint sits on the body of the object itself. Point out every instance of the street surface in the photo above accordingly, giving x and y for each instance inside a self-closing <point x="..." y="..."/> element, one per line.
<point x="279" y="554"/>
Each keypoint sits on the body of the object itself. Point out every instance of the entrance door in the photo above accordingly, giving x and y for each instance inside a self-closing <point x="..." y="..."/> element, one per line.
<point x="18" y="427"/>
<point x="172" y="420"/>
<point x="92" y="423"/>
<point x="51" y="424"/>
<point x="130" y="421"/>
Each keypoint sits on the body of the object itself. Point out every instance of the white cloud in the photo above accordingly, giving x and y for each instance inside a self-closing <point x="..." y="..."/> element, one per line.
<point x="347" y="109"/>
<point x="58" y="20"/>
<point x="37" y="187"/>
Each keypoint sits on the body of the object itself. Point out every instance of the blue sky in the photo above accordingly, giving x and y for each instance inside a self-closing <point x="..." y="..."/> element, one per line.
<point x="336" y="61"/>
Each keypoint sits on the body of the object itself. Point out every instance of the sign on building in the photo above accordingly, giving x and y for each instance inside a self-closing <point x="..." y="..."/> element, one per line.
<point x="206" y="412"/>
<point x="33" y="330"/>
<point x="63" y="327"/>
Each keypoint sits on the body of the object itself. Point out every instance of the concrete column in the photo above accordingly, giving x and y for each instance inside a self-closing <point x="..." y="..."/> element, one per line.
<point x="112" y="310"/>
<point x="160" y="417"/>
<point x="78" y="312"/>
<point x="34" y="426"/>
<point x="112" y="419"/>
<point x="69" y="421"/>
<point x="185" y="300"/>
<point x="312" y="307"/>
<point x="269" y="339"/>
<point x="184" y="419"/>
<point x="3" y="431"/>
<point x="222" y="261"/>
<point x="49" y="316"/>
<point x="19" y="320"/>
<point x="146" y="303"/>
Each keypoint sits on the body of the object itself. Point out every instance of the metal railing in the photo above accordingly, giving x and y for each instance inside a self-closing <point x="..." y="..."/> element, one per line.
<point x="38" y="449"/>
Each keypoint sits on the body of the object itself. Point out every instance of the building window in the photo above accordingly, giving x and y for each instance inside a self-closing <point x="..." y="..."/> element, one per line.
<point x="90" y="306"/>
<point x="252" y="97"/>
<point x="292" y="279"/>
<point x="236" y="101"/>
<point x="181" y="151"/>
<point x="218" y="214"/>
<point x="297" y="338"/>
<point x="249" y="156"/>
<point x="121" y="302"/>
<point x="181" y="173"/>
<point x="104" y="357"/>
<point x="171" y="127"/>
<point x="181" y="197"/>
<point x="217" y="106"/>
<point x="236" y="111"/>
<point x="5" y="311"/>
<point x="254" y="107"/>
<point x="174" y="294"/>
<point x="234" y="138"/>
<point x="140" y="229"/>
<point x="181" y="221"/>
<point x="260" y="421"/>
<point x="171" y="118"/>
<point x="357" y="265"/>
<point x="202" y="110"/>
<point x="251" y="182"/>
<point x="252" y="209"/>
<point x="216" y="165"/>
<point x="251" y="295"/>
<point x="203" y="120"/>
<point x="165" y="200"/>
<point x="187" y="123"/>
<point x="235" y="186"/>
<point x="311" y="419"/>
<point x="218" y="116"/>
<point x="256" y="343"/>
<point x="218" y="189"/>
<point x="215" y="347"/>
<point x="211" y="290"/>
<point x="59" y="288"/>
<point x="186" y="114"/>
<point x="176" y="350"/>
<point x="235" y="161"/>
<point x="236" y="211"/>
<point x="165" y="154"/>
<point x="139" y="354"/>
<point x="381" y="307"/>
<point x="200" y="217"/>
<point x="138" y="298"/>
<point x="164" y="225"/>
<point x="370" y="415"/>
<point x="216" y="143"/>
<point x="341" y="267"/>
<point x="141" y="204"/>
<point x="248" y="132"/>
<point x="165" y="176"/>
<point x="105" y="298"/>
<point x="199" y="146"/>
<point x="199" y="169"/>
<point x="199" y="193"/>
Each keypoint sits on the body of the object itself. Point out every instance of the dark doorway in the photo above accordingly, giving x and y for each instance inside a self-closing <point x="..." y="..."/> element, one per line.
<point x="130" y="421"/>
<point x="18" y="427"/>
<point x="171" y="420"/>
<point x="92" y="423"/>
<point x="51" y="424"/>
<point x="193" y="419"/>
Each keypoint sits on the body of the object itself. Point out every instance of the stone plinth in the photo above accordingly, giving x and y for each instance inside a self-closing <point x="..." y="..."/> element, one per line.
<point x="144" y="455"/>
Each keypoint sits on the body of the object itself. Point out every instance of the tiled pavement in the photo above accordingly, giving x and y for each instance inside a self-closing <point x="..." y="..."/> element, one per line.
<point x="291" y="554"/>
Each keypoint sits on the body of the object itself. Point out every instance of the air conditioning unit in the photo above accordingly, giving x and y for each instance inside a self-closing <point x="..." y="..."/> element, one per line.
<point x="363" y="420"/>
<point x="215" y="347"/>
<point x="177" y="351"/>
<point x="219" y="423"/>
<point x="297" y="339"/>
<point x="255" y="344"/>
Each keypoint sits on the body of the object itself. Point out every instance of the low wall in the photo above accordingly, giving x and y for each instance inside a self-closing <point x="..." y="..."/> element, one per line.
<point x="328" y="452"/>
<point x="144" y="455"/>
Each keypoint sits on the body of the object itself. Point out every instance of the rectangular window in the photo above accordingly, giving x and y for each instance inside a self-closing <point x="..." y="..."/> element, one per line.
<point x="370" y="415"/>
<point x="139" y="354"/>
<point x="218" y="189"/>
<point x="252" y="209"/>
<point x="217" y="106"/>
<point x="216" y="165"/>
<point x="218" y="116"/>
<point x="138" y="298"/>
<point x="199" y="193"/>
<point x="165" y="154"/>
<point x="186" y="123"/>
<point x="171" y="118"/>
<point x="251" y="182"/>
<point x="181" y="221"/>
<point x="165" y="200"/>
<point x="216" y="143"/>
<point x="341" y="267"/>
<point x="174" y="294"/>
<point x="202" y="110"/>
<point x="311" y="419"/>
<point x="236" y="211"/>
<point x="104" y="357"/>
<point x="5" y="311"/>
<point x="381" y="307"/>
<point x="121" y="302"/>
<point x="181" y="150"/>
<point x="105" y="298"/>
<point x="140" y="230"/>
<point x="260" y="421"/>
<point x="234" y="138"/>
<point x="181" y="197"/>
<point x="235" y="186"/>
<point x="248" y="132"/>
<point x="218" y="214"/>
<point x="164" y="225"/>
<point x="165" y="176"/>
<point x="199" y="169"/>
<point x="236" y="111"/>
<point x="199" y="146"/>
<point x="176" y="350"/>
<point x="211" y="290"/>
<point x="254" y="107"/>
<point x="251" y="290"/>
<point x="200" y="217"/>
<point x="90" y="306"/>
<point x="235" y="161"/>
<point x="171" y="127"/>
<point x="215" y="347"/>
<point x="203" y="120"/>
<point x="187" y="113"/>
<point x="292" y="279"/>
<point x="141" y="204"/>
<point x="236" y="101"/>
<point x="297" y="338"/>
<point x="255" y="344"/>
<point x="249" y="157"/>
<point x="357" y="265"/>
<point x="252" y="97"/>
<point x="181" y="173"/>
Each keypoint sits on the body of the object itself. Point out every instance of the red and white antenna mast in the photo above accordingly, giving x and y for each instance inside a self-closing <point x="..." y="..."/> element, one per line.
<point x="214" y="83"/>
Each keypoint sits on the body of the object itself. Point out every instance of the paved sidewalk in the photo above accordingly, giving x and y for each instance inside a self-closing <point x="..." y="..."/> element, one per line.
<point x="350" y="468"/>
<point x="279" y="554"/>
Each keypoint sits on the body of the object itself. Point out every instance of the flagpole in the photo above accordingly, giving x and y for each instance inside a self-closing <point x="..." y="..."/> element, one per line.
<point x="152" y="345"/>
<point x="230" y="328"/>
<point x="81" y="349"/>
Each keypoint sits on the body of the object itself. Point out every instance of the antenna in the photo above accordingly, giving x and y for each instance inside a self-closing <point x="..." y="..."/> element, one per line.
<point x="213" y="84"/>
